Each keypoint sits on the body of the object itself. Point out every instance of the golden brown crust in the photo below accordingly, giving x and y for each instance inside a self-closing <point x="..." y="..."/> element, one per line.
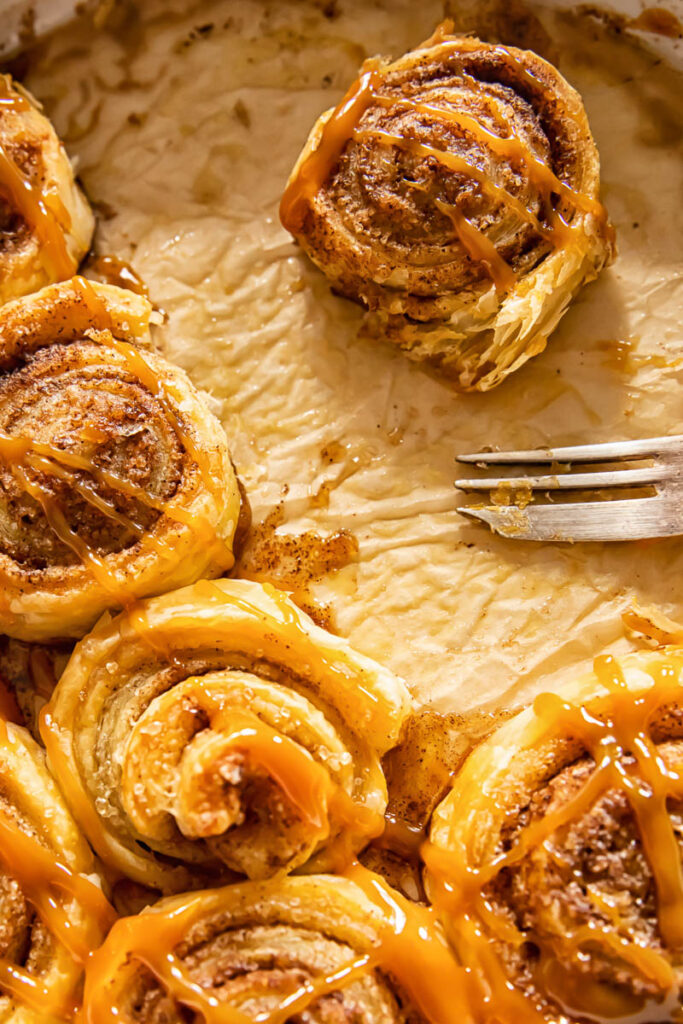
<point x="217" y="731"/>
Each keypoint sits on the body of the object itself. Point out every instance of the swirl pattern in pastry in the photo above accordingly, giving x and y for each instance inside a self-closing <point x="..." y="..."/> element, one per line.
<point x="52" y="913"/>
<point x="454" y="193"/>
<point x="320" y="949"/>
<point x="115" y="479"/>
<point x="217" y="731"/>
<point x="46" y="224"/>
<point x="557" y="857"/>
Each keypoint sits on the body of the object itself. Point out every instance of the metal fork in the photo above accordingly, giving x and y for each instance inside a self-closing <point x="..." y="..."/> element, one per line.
<point x="660" y="515"/>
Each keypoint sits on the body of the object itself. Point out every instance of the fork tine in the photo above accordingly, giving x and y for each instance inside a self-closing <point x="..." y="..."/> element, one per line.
<point x="569" y="481"/>
<point x="644" y="448"/>
<point x="634" y="519"/>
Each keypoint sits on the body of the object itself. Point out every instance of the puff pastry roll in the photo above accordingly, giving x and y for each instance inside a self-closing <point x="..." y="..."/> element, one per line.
<point x="454" y="194"/>
<point x="557" y="857"/>
<point x="319" y="949"/>
<point x="115" y="479"/>
<point x="46" y="224"/>
<point x="217" y="731"/>
<point x="52" y="910"/>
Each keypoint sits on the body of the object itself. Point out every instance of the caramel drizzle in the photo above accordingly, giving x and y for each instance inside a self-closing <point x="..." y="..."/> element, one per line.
<point x="36" y="205"/>
<point x="305" y="782"/>
<point x="120" y="273"/>
<point x="316" y="168"/>
<point x="413" y="950"/>
<point x="41" y="876"/>
<point x="342" y="126"/>
<point x="97" y="565"/>
<point x="609" y="738"/>
<point x="479" y="248"/>
<point x="410" y="948"/>
<point x="30" y="991"/>
<point x="512" y="149"/>
<point x="21" y="454"/>
<point x="11" y="100"/>
<point x="137" y="365"/>
<point x="458" y="164"/>
<point x="288" y="617"/>
<point x="476" y="244"/>
<point x="508" y="146"/>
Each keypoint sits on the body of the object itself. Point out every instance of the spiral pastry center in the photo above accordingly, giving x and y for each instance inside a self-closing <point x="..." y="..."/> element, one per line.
<point x="100" y="458"/>
<point x="590" y="889"/>
<point x="226" y="734"/>
<point x="449" y="156"/>
<point x="422" y="177"/>
<point x="575" y="879"/>
<point x="232" y="759"/>
<point x="256" y="967"/>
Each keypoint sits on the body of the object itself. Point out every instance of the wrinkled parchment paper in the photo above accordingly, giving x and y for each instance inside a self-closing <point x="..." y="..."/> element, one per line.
<point x="185" y="121"/>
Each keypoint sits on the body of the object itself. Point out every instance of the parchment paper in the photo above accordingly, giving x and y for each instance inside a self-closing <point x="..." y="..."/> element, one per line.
<point x="186" y="121"/>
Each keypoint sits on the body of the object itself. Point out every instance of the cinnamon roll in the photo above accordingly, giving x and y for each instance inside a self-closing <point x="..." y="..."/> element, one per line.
<point x="454" y="194"/>
<point x="46" y="224"/>
<point x="52" y="911"/>
<point x="115" y="480"/>
<point x="216" y="731"/>
<point x="320" y="949"/>
<point x="557" y="857"/>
